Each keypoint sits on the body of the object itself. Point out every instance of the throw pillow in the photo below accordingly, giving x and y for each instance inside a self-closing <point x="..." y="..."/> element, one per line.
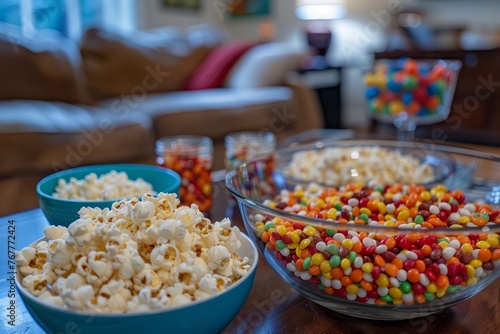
<point x="265" y="65"/>
<point x="213" y="70"/>
<point x="137" y="63"/>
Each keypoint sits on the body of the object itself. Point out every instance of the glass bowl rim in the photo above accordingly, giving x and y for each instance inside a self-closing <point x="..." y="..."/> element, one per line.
<point x="342" y="226"/>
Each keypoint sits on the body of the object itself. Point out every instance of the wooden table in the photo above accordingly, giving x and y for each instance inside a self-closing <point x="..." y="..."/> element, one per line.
<point x="274" y="307"/>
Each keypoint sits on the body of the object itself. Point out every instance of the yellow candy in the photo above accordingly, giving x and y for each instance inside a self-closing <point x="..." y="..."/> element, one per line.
<point x="467" y="248"/>
<point x="463" y="220"/>
<point x="476" y="263"/>
<point x="292" y="245"/>
<point x="395" y="107"/>
<point x="443" y="244"/>
<point x="426" y="195"/>
<point x="381" y="207"/>
<point x="432" y="287"/>
<point x="331" y="213"/>
<point x="366" y="211"/>
<point x="470" y="270"/>
<point x="395" y="293"/>
<point x="295" y="237"/>
<point x="327" y="275"/>
<point x="483" y="244"/>
<point x="440" y="292"/>
<point x="471" y="281"/>
<point x="281" y="229"/>
<point x="347" y="243"/>
<point x="309" y="231"/>
<point x="325" y="266"/>
<point x="382" y="281"/>
<point x="317" y="258"/>
<point x="404" y="214"/>
<point x="367" y="267"/>
<point x="345" y="264"/>
<point x="492" y="240"/>
<point x="352" y="288"/>
<point x="397" y="302"/>
<point x="305" y="243"/>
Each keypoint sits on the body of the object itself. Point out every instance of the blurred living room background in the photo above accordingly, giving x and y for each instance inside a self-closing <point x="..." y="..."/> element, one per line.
<point x="98" y="81"/>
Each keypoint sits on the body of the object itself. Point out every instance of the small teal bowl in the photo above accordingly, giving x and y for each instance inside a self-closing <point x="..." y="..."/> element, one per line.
<point x="210" y="315"/>
<point x="63" y="211"/>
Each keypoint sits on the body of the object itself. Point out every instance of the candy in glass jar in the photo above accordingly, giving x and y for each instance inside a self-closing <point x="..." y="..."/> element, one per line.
<point x="243" y="147"/>
<point x="191" y="157"/>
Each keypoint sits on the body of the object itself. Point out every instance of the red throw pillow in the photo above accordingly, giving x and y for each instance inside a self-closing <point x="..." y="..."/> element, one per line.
<point x="215" y="67"/>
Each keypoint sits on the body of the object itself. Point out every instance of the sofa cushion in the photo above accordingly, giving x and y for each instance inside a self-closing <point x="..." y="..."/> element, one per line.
<point x="213" y="70"/>
<point x="46" y="66"/>
<point x="212" y="112"/>
<point x="43" y="137"/>
<point x="144" y="62"/>
<point x="265" y="65"/>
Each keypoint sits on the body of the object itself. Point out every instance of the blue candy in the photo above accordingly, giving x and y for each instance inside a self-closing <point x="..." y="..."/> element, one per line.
<point x="407" y="98"/>
<point x="372" y="92"/>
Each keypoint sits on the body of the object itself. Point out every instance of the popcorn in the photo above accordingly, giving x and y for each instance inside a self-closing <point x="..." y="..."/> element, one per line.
<point x="109" y="186"/>
<point x="342" y="165"/>
<point x="140" y="255"/>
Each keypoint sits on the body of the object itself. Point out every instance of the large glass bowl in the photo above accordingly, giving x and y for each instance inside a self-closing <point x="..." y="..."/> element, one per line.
<point x="402" y="292"/>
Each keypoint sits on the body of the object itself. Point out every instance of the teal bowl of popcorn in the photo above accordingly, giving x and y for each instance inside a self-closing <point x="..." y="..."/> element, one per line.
<point x="210" y="315"/>
<point x="61" y="195"/>
<point x="147" y="265"/>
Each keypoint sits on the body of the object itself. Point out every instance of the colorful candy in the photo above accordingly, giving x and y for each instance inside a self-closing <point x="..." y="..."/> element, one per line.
<point x="383" y="268"/>
<point x="409" y="86"/>
<point x="191" y="157"/>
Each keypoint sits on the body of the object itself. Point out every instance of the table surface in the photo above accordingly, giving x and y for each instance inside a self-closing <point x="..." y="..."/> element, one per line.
<point x="272" y="306"/>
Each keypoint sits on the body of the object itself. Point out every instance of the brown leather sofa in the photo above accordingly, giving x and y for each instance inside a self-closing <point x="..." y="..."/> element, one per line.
<point x="109" y="98"/>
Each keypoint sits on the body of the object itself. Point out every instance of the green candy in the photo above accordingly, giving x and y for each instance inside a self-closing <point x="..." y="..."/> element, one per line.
<point x="332" y="249"/>
<point x="410" y="83"/>
<point x="280" y="244"/>
<point x="307" y="263"/>
<point x="337" y="206"/>
<point x="442" y="239"/>
<point x="387" y="298"/>
<point x="352" y="256"/>
<point x="453" y="201"/>
<point x="418" y="219"/>
<point x="334" y="261"/>
<point x="405" y="287"/>
<point x="269" y="225"/>
<point x="321" y="286"/>
<point x="330" y="231"/>
<point x="429" y="295"/>
<point x="379" y="189"/>
<point x="485" y="216"/>
<point x="451" y="289"/>
<point x="364" y="217"/>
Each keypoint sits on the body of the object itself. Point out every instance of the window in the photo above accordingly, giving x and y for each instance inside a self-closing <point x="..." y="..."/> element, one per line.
<point x="69" y="17"/>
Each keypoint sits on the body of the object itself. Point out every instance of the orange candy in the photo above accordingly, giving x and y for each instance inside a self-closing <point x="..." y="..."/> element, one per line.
<point x="413" y="275"/>
<point x="484" y="255"/>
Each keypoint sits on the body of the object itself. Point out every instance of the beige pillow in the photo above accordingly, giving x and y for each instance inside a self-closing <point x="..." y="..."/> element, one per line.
<point x="265" y="65"/>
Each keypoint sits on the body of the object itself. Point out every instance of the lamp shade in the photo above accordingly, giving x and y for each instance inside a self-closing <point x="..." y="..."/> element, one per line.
<point x="320" y="9"/>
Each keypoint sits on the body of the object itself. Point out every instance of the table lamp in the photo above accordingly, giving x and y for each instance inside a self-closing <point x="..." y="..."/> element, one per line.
<point x="318" y="14"/>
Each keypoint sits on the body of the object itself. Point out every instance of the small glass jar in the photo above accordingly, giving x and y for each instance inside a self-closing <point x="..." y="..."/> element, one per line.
<point x="244" y="146"/>
<point x="191" y="157"/>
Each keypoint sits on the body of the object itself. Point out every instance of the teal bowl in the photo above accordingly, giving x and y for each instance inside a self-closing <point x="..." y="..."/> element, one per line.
<point x="210" y="315"/>
<point x="64" y="211"/>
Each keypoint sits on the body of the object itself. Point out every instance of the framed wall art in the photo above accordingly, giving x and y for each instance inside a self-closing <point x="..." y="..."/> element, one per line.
<point x="193" y="5"/>
<point x="249" y="8"/>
